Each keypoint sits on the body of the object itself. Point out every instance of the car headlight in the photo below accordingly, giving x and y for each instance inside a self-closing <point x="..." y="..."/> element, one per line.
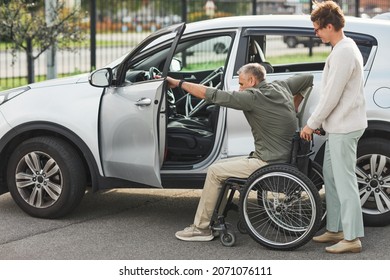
<point x="11" y="93"/>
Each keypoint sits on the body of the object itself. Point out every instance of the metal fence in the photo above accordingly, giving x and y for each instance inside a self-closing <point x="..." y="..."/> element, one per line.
<point x="113" y="27"/>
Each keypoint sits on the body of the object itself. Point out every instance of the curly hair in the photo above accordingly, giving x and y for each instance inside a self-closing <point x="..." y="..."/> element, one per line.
<point x="328" y="12"/>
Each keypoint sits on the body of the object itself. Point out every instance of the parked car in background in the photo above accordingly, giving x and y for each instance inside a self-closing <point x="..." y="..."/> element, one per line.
<point x="218" y="45"/>
<point x="306" y="41"/>
<point x="121" y="126"/>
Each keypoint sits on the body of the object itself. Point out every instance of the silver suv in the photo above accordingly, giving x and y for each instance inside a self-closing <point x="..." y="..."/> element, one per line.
<point x="120" y="126"/>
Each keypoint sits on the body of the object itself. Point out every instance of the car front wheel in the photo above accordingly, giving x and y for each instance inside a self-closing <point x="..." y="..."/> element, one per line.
<point x="373" y="174"/>
<point x="46" y="177"/>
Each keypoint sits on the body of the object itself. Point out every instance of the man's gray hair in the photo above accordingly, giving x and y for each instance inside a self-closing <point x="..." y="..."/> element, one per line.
<point x="255" y="69"/>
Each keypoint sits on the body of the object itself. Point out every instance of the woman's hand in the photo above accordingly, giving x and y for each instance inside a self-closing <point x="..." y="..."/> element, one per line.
<point x="306" y="133"/>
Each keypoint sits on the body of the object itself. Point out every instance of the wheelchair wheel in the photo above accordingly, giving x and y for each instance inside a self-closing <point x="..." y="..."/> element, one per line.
<point x="315" y="175"/>
<point x="281" y="207"/>
<point x="241" y="227"/>
<point x="228" y="239"/>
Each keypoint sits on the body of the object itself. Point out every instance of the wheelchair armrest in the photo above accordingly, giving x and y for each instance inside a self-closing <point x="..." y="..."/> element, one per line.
<point x="306" y="155"/>
<point x="235" y="181"/>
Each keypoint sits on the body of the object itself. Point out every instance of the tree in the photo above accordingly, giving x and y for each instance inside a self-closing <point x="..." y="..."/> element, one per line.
<point x="24" y="22"/>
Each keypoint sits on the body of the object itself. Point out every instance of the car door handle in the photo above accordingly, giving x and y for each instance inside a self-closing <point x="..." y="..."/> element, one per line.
<point x="144" y="102"/>
<point x="190" y="78"/>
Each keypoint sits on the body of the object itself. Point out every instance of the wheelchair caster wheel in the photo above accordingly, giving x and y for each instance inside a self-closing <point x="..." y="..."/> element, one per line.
<point x="228" y="239"/>
<point x="241" y="227"/>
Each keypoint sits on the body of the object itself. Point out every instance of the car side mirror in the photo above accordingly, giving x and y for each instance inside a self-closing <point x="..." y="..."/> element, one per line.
<point x="101" y="77"/>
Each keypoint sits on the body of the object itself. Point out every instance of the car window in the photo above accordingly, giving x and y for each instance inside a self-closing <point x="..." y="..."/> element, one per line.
<point x="287" y="53"/>
<point x="365" y="44"/>
<point x="296" y="53"/>
<point x="293" y="51"/>
<point x="203" y="53"/>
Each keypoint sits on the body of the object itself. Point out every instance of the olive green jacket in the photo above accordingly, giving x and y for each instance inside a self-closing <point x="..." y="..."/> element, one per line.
<point x="270" y="112"/>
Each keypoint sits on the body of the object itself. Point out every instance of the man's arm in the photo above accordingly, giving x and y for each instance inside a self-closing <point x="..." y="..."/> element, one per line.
<point x="299" y="83"/>
<point x="242" y="100"/>
<point x="297" y="101"/>
<point x="194" y="89"/>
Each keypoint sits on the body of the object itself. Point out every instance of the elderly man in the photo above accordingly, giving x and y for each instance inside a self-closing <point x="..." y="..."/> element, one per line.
<point x="270" y="111"/>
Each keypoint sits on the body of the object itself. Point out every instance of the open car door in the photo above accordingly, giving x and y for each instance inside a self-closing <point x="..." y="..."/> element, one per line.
<point x="133" y="117"/>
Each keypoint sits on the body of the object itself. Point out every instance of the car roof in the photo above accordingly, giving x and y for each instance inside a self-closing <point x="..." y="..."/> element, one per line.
<point x="354" y="24"/>
<point x="385" y="16"/>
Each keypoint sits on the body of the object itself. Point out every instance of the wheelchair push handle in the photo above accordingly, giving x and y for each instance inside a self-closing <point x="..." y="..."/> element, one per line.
<point x="320" y="131"/>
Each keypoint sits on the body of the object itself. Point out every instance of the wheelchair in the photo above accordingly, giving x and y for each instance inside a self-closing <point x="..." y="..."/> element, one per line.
<point x="280" y="205"/>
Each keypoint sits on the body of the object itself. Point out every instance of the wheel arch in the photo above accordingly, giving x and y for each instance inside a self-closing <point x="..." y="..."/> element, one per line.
<point x="17" y="135"/>
<point x="375" y="128"/>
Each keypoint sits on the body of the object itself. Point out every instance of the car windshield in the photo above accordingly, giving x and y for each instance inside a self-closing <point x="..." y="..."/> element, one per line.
<point x="154" y="39"/>
<point x="198" y="53"/>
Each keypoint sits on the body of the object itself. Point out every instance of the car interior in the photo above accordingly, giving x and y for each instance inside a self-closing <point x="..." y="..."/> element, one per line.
<point x="193" y="122"/>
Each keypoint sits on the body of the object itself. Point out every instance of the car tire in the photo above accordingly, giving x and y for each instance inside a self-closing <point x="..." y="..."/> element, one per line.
<point x="46" y="177"/>
<point x="219" y="48"/>
<point x="291" y="42"/>
<point x="373" y="167"/>
<point x="316" y="176"/>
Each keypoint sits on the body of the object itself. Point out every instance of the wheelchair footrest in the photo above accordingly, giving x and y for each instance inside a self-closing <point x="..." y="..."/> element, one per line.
<point x="221" y="225"/>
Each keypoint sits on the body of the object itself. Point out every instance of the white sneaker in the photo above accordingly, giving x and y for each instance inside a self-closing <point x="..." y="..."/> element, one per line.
<point x="192" y="233"/>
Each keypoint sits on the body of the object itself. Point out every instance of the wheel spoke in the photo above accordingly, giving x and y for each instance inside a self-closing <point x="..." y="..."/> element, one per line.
<point x="36" y="197"/>
<point x="377" y="166"/>
<point x="373" y="164"/>
<point x="50" y="168"/>
<point x="53" y="190"/>
<point x="361" y="175"/>
<point x="386" y="181"/>
<point x="382" y="202"/>
<point x="381" y="165"/>
<point x="364" y="195"/>
<point x="32" y="161"/>
<point x="24" y="180"/>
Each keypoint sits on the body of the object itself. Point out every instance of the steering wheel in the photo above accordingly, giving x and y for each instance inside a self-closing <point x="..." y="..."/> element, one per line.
<point x="191" y="110"/>
<point x="171" y="97"/>
<point x="154" y="73"/>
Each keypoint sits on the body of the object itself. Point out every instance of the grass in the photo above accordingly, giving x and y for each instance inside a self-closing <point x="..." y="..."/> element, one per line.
<point x="297" y="58"/>
<point x="203" y="66"/>
<point x="274" y="60"/>
<point x="7" y="83"/>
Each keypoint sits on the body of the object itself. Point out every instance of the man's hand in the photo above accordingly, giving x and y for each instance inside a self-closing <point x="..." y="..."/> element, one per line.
<point x="172" y="83"/>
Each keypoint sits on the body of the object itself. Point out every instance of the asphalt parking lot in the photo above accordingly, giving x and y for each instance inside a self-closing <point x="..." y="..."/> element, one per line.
<point x="139" y="224"/>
